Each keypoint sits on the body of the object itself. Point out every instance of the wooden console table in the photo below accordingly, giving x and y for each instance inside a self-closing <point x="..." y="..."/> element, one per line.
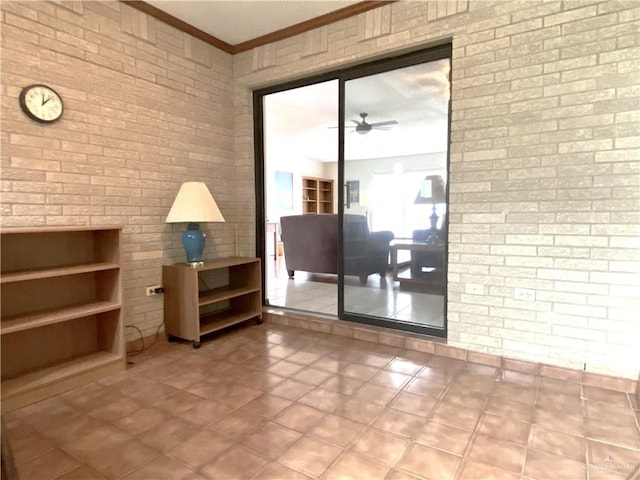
<point x="216" y="295"/>
<point x="432" y="281"/>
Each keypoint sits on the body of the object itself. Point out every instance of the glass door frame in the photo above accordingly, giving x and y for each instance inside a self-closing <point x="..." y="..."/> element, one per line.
<point x="433" y="53"/>
<point x="380" y="66"/>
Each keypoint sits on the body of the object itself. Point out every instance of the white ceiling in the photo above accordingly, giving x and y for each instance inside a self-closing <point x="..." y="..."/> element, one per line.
<point x="237" y="21"/>
<point x="302" y="121"/>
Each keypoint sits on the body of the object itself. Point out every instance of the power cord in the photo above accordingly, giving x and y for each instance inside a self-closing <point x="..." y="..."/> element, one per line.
<point x="155" y="339"/>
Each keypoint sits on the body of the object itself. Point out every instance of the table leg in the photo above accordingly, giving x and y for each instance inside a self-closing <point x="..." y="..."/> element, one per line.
<point x="393" y="251"/>
<point x="275" y="244"/>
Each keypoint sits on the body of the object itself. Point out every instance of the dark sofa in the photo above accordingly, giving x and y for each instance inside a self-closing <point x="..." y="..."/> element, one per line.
<point x="311" y="245"/>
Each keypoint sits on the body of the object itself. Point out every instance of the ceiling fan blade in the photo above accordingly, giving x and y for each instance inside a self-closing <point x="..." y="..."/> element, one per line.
<point x="356" y="122"/>
<point x="382" y="124"/>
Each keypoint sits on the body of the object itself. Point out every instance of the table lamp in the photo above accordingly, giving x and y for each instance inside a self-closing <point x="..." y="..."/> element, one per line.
<point x="432" y="191"/>
<point x="193" y="204"/>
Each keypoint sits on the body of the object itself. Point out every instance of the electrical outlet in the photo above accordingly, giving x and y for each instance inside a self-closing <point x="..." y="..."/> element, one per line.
<point x="151" y="290"/>
<point x="525" y="294"/>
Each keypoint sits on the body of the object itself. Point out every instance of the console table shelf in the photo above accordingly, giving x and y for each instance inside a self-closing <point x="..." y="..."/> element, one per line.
<point x="225" y="293"/>
<point x="204" y="299"/>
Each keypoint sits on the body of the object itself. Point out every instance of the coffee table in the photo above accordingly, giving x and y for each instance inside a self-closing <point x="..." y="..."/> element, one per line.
<point x="431" y="279"/>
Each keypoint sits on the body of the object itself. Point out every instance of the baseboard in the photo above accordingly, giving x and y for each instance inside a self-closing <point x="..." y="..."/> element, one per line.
<point x="438" y="346"/>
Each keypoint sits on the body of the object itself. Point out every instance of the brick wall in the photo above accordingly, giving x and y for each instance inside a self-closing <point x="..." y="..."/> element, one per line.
<point x="544" y="164"/>
<point x="544" y="154"/>
<point x="146" y="108"/>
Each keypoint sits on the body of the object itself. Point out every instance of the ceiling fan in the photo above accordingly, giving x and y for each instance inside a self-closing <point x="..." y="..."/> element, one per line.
<point x="363" y="127"/>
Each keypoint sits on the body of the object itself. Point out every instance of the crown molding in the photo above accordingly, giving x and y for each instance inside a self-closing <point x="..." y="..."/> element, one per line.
<point x="287" y="32"/>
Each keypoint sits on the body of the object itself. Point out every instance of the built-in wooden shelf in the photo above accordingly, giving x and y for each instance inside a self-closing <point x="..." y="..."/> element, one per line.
<point x="317" y="195"/>
<point x="61" y="311"/>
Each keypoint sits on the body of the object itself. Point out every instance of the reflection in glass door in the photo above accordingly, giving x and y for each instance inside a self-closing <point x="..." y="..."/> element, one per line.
<point x="394" y="172"/>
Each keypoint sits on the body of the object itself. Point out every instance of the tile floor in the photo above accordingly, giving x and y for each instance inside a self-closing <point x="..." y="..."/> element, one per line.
<point x="318" y="293"/>
<point x="275" y="402"/>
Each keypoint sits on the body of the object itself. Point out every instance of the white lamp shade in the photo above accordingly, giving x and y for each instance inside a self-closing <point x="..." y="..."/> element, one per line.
<point x="193" y="204"/>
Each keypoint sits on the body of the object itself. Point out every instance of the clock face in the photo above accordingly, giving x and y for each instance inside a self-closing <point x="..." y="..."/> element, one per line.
<point x="41" y="103"/>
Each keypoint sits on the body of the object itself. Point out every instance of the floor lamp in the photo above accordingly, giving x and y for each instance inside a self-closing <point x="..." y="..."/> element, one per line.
<point x="432" y="191"/>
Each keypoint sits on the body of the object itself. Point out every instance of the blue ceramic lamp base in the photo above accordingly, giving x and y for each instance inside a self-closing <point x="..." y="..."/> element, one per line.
<point x="193" y="241"/>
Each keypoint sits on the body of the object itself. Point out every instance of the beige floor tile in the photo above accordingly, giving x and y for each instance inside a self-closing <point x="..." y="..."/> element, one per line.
<point x="558" y="443"/>
<point x="51" y="464"/>
<point x="98" y="440"/>
<point x="456" y="415"/>
<point x="389" y="379"/>
<point x="504" y="429"/>
<point x="113" y="411"/>
<point x="336" y="430"/>
<point x="514" y="392"/>
<point x="400" y="423"/>
<point x="310" y="456"/>
<point x="506" y="408"/>
<point x="399" y="475"/>
<point x="444" y="437"/>
<point x="466" y="398"/>
<point x="312" y="376"/>
<point x="177" y="403"/>
<point x="425" y="386"/>
<point x="428" y="462"/>
<point x="360" y="411"/>
<point x="236" y="462"/>
<point x="304" y="358"/>
<point x="383" y="446"/>
<point x="415" y="404"/>
<point x="499" y="453"/>
<point x="374" y="394"/>
<point x="123" y="458"/>
<point x="337" y="405"/>
<point x="300" y="418"/>
<point x="277" y="471"/>
<point x="626" y="435"/>
<point x="236" y="425"/>
<point x="82" y="472"/>
<point x="401" y="365"/>
<point x="323" y="399"/>
<point x="559" y="421"/>
<point x="360" y="372"/>
<point x="473" y="470"/>
<point x="260" y="380"/>
<point x="200" y="449"/>
<point x="328" y="364"/>
<point x="291" y="389"/>
<point x="271" y="440"/>
<point x="285" y="368"/>
<point x="610" y="461"/>
<point x="342" y="384"/>
<point x="168" y="434"/>
<point x="543" y="466"/>
<point x="265" y="406"/>
<point x="205" y="411"/>
<point x="25" y="441"/>
<point x="352" y="466"/>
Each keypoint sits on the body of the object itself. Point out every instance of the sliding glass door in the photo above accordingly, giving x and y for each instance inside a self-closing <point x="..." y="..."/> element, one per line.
<point x="352" y="172"/>
<point x="393" y="164"/>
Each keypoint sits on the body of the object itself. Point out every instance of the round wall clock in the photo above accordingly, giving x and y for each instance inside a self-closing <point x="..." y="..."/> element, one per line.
<point x="41" y="103"/>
